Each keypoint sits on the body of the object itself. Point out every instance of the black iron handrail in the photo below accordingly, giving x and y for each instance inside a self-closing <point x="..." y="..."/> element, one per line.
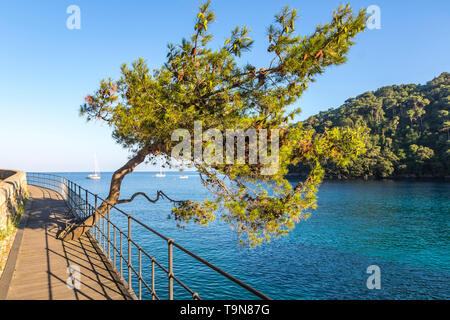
<point x="78" y="200"/>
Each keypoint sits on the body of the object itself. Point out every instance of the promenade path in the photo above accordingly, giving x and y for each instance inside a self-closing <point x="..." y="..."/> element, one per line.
<point x="38" y="264"/>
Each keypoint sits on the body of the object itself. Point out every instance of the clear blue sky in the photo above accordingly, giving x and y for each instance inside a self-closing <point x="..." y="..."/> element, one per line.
<point x="47" y="69"/>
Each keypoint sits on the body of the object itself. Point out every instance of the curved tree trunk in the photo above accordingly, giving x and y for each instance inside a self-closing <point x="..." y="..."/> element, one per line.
<point x="76" y="231"/>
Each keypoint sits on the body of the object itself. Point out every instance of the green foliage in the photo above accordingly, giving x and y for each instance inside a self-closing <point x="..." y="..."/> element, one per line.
<point x="409" y="130"/>
<point x="12" y="224"/>
<point x="198" y="83"/>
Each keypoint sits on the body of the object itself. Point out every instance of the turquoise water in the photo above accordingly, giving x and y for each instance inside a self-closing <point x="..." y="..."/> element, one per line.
<point x="401" y="226"/>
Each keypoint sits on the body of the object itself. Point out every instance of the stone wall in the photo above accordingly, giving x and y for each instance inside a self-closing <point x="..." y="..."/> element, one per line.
<point x="13" y="190"/>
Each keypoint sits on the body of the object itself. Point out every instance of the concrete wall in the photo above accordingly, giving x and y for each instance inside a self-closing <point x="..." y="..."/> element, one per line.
<point x="13" y="190"/>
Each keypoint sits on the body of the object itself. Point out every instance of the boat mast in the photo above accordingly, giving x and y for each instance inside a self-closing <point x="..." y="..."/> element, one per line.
<point x="96" y="168"/>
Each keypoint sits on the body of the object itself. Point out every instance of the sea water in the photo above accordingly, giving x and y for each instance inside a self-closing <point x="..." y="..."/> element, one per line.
<point x="400" y="226"/>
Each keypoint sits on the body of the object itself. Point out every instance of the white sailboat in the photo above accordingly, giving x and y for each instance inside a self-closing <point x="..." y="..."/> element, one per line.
<point x="182" y="176"/>
<point x="96" y="174"/>
<point x="160" y="174"/>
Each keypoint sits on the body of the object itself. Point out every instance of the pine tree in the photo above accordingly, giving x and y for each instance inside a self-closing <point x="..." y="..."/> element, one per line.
<point x="198" y="83"/>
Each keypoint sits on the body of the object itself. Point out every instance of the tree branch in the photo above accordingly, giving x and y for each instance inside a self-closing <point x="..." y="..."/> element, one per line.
<point x="159" y="194"/>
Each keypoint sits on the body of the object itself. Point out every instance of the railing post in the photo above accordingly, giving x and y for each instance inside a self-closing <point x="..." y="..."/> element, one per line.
<point x="153" y="279"/>
<point x="170" y="275"/>
<point x="95" y="217"/>
<point x="129" y="251"/>
<point x="103" y="233"/>
<point x="121" y="255"/>
<point x="109" y="238"/>
<point x="114" y="246"/>
<point x="86" y="204"/>
<point x="140" y="275"/>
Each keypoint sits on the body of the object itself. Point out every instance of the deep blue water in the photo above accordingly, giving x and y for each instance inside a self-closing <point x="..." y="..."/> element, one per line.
<point x="401" y="226"/>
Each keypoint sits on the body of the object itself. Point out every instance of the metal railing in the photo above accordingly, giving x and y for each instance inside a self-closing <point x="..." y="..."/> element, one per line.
<point x="119" y="246"/>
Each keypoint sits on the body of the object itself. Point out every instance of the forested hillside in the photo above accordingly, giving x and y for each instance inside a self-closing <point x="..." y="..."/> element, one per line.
<point x="408" y="130"/>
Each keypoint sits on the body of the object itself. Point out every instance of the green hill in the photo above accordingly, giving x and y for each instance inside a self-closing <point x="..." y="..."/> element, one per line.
<point x="408" y="131"/>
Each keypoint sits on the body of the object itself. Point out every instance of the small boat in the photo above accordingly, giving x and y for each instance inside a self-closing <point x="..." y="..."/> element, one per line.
<point x="182" y="176"/>
<point x="96" y="174"/>
<point x="160" y="174"/>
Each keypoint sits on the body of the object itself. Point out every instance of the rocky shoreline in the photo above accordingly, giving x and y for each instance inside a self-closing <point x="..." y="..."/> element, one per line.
<point x="426" y="177"/>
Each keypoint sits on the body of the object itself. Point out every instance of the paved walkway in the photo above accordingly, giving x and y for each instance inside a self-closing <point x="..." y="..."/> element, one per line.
<point x="41" y="271"/>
